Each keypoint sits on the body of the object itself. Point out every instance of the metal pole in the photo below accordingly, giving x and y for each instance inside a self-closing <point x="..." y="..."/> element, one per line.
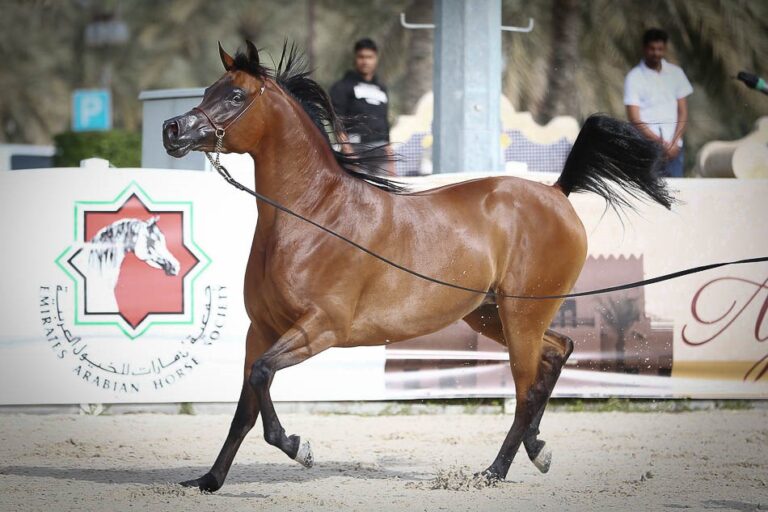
<point x="467" y="86"/>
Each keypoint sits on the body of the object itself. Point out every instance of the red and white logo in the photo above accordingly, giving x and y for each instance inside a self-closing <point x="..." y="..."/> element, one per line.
<point x="132" y="262"/>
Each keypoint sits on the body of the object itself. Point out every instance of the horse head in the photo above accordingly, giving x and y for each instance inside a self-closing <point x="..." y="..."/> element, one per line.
<point x="150" y="247"/>
<point x="234" y="97"/>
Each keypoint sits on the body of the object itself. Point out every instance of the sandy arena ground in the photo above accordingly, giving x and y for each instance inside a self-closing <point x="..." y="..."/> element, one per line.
<point x="705" y="460"/>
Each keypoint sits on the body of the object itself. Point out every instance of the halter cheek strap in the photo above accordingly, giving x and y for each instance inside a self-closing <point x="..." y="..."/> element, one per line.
<point x="210" y="121"/>
<point x="220" y="131"/>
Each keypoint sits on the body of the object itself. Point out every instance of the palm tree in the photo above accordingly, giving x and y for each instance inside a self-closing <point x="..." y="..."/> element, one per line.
<point x="574" y="62"/>
<point x="36" y="45"/>
<point x="620" y="315"/>
<point x="563" y="60"/>
<point x="711" y="39"/>
<point x="419" y="65"/>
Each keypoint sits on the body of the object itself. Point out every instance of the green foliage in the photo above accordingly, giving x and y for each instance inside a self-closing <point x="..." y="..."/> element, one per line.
<point x="615" y="404"/>
<point x="734" y="405"/>
<point x="121" y="148"/>
<point x="186" y="408"/>
<point x="47" y="58"/>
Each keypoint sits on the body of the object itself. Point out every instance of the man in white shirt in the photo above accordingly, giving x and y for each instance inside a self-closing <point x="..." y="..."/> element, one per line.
<point x="655" y="94"/>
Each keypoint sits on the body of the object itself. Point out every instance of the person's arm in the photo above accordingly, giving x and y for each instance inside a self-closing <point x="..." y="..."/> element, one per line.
<point x="343" y="140"/>
<point x="632" y="94"/>
<point x="339" y="98"/>
<point x="682" y="123"/>
<point x="633" y="114"/>
<point x="683" y="90"/>
<point x="339" y="102"/>
<point x="391" y="165"/>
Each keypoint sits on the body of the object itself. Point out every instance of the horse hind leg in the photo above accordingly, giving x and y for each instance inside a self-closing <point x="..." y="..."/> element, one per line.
<point x="555" y="351"/>
<point x="524" y="326"/>
<point x="486" y="321"/>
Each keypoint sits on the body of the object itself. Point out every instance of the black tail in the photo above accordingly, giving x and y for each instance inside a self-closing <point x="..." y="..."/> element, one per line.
<point x="609" y="150"/>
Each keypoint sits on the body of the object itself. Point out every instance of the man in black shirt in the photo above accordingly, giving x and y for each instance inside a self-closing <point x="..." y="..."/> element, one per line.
<point x="362" y="102"/>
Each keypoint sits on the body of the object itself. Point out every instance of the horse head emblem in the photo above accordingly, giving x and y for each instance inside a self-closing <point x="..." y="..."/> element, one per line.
<point x="150" y="247"/>
<point x="106" y="251"/>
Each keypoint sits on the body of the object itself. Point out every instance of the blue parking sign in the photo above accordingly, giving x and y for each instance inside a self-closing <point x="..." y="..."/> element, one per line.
<point x="91" y="110"/>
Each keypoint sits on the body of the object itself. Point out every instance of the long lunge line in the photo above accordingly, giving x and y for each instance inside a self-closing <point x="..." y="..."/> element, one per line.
<point x="658" y="279"/>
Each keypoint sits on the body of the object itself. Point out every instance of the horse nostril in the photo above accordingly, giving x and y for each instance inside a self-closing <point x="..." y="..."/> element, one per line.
<point x="171" y="129"/>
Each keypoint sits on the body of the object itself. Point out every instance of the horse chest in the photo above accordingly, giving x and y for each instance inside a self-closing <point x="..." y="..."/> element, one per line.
<point x="273" y="290"/>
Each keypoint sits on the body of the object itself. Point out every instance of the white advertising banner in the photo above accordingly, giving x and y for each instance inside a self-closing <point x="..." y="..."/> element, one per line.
<point x="125" y="286"/>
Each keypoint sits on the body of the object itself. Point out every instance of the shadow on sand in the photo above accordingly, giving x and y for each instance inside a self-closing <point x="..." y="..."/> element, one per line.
<point x="269" y="473"/>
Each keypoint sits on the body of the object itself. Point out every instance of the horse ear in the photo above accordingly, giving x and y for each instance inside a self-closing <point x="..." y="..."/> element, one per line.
<point x="151" y="222"/>
<point x="253" y="52"/>
<point x="226" y="58"/>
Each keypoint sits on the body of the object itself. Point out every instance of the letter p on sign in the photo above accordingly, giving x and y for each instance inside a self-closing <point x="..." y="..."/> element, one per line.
<point x="91" y="110"/>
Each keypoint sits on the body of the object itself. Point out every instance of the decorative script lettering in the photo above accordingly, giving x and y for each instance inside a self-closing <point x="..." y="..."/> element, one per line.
<point x="718" y="323"/>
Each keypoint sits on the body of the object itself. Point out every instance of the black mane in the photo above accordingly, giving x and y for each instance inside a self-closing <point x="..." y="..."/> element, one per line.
<point x="293" y="75"/>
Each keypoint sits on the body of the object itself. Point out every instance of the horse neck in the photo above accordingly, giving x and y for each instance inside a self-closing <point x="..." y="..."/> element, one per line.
<point x="110" y="254"/>
<point x="107" y="259"/>
<point x="293" y="163"/>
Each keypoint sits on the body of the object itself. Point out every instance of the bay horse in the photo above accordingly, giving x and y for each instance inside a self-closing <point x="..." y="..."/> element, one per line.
<point x="306" y="291"/>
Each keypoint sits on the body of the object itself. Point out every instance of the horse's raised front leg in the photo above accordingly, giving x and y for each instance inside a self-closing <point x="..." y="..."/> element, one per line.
<point x="245" y="417"/>
<point x="306" y="338"/>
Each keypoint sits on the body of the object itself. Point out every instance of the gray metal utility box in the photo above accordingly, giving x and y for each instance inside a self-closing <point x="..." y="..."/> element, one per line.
<point x="158" y="106"/>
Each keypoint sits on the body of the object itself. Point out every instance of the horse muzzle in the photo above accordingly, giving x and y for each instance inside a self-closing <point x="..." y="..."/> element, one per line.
<point x="185" y="133"/>
<point x="170" y="267"/>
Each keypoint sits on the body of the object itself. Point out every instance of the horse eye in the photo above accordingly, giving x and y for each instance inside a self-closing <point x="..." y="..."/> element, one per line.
<point x="238" y="97"/>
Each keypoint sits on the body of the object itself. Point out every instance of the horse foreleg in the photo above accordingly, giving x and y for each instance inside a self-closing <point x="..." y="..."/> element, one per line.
<point x="299" y="343"/>
<point x="245" y="417"/>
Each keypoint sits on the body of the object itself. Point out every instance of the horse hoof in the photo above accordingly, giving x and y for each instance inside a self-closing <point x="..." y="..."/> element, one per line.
<point x="206" y="483"/>
<point x="544" y="459"/>
<point x="304" y="455"/>
<point x="489" y="475"/>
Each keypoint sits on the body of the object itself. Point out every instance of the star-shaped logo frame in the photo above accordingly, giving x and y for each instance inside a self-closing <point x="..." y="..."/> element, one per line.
<point x="133" y="262"/>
